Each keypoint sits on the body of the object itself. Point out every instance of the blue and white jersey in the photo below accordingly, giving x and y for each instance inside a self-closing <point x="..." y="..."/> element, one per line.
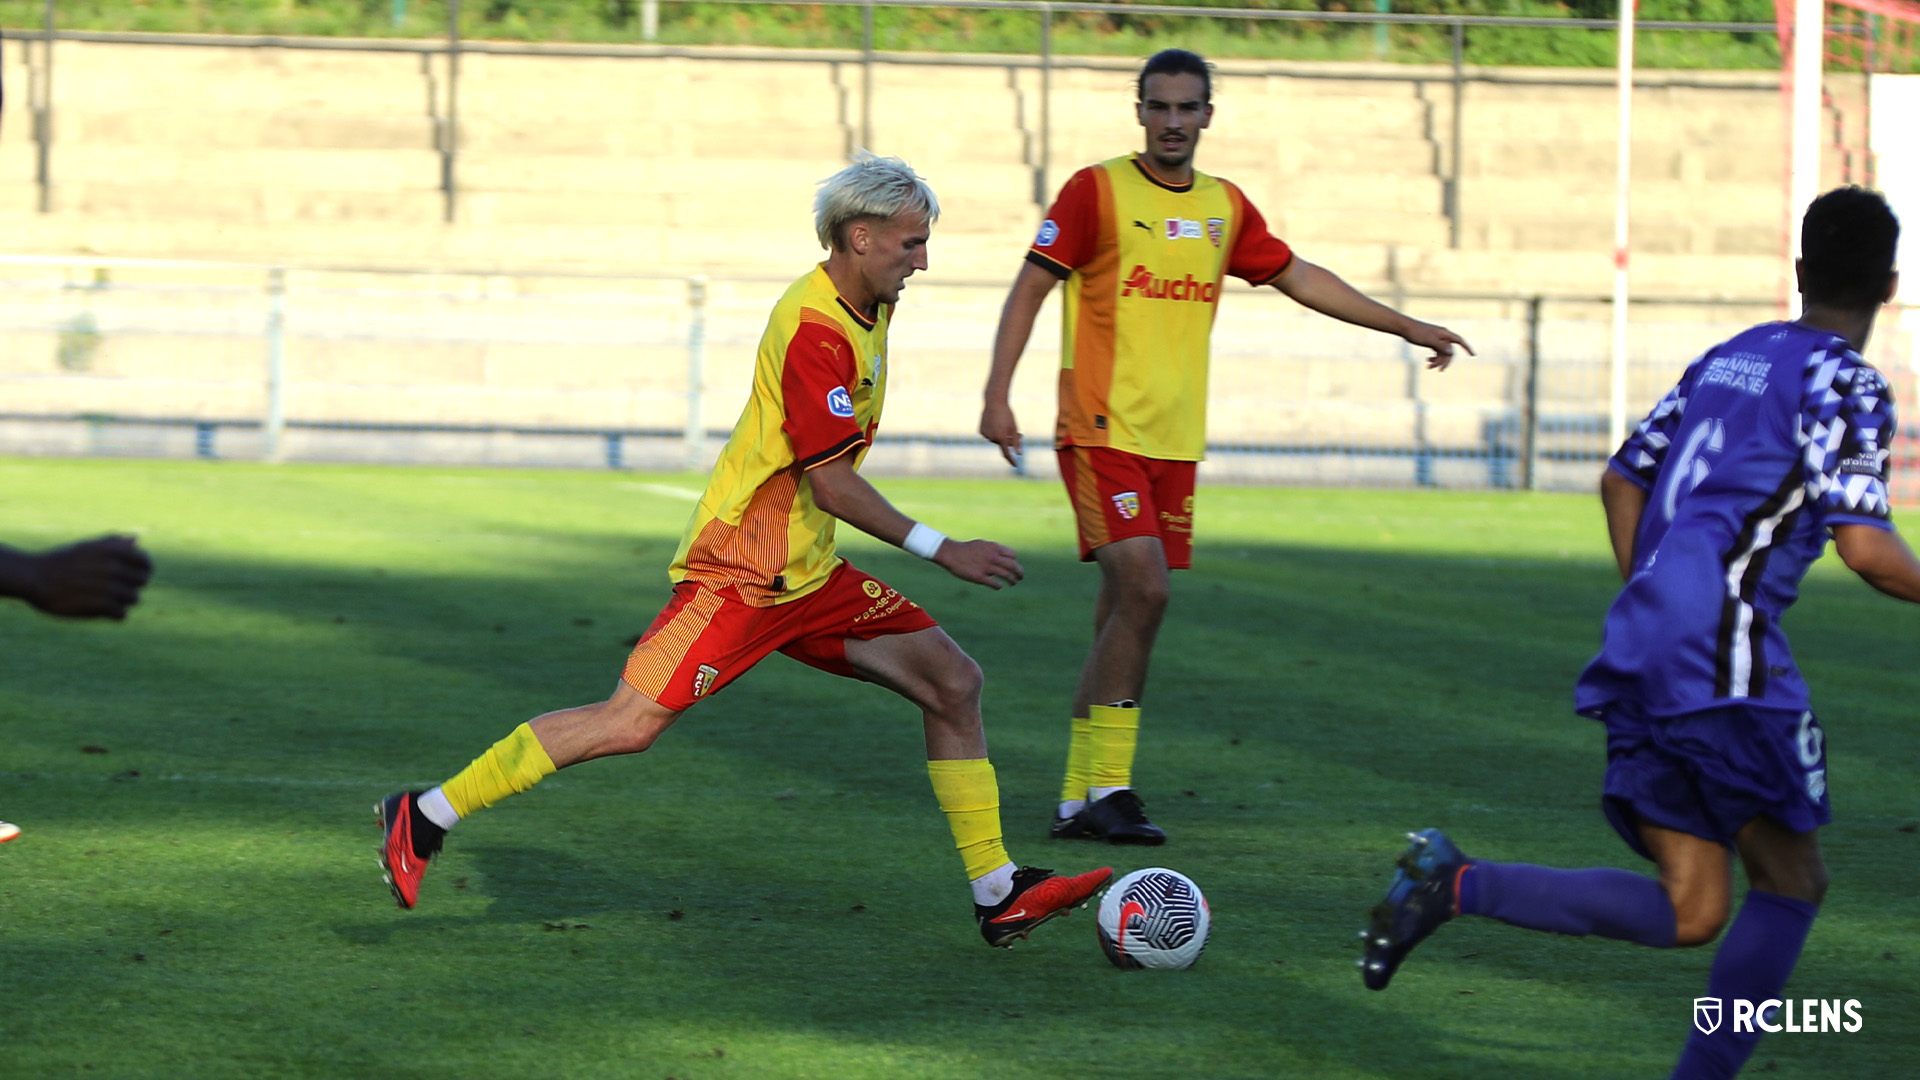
<point x="1768" y="441"/>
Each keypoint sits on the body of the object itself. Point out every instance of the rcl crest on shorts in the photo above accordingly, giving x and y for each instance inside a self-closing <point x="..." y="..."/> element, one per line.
<point x="1128" y="504"/>
<point x="703" y="679"/>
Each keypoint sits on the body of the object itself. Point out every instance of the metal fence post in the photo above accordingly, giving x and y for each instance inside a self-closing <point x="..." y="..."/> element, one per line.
<point x="276" y="361"/>
<point x="866" y="75"/>
<point x="1416" y="378"/>
<point x="450" y="134"/>
<point x="43" y="116"/>
<point x="1453" y="170"/>
<point x="696" y="433"/>
<point x="1530" y="404"/>
<point x="1042" y="190"/>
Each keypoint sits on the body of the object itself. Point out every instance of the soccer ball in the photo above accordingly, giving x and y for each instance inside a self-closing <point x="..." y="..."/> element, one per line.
<point x="1154" y="918"/>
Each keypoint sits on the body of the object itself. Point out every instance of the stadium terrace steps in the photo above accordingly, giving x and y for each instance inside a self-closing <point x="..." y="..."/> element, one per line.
<point x="683" y="166"/>
<point x="330" y="156"/>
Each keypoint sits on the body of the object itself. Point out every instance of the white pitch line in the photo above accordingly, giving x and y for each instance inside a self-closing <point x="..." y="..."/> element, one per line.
<point x="663" y="489"/>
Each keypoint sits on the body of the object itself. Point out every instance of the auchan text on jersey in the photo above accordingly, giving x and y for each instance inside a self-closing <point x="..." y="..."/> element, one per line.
<point x="1142" y="282"/>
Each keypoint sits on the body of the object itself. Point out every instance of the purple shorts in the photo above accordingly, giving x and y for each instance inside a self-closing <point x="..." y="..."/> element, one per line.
<point x="1709" y="773"/>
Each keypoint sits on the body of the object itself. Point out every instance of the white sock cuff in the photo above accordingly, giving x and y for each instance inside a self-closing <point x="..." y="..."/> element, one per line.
<point x="993" y="886"/>
<point x="434" y="804"/>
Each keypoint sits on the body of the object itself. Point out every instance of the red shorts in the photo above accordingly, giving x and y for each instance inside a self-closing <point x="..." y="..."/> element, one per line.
<point x="705" y="638"/>
<point x="1117" y="495"/>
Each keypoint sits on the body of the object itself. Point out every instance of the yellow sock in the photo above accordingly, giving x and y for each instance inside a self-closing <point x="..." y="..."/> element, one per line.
<point x="970" y="797"/>
<point x="1112" y="733"/>
<point x="1079" y="761"/>
<point x="509" y="767"/>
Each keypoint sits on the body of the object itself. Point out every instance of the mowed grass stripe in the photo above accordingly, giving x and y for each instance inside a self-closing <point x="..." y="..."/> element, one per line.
<point x="771" y="892"/>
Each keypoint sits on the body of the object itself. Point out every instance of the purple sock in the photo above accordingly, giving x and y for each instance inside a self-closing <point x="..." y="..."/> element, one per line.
<point x="1612" y="903"/>
<point x="1753" y="962"/>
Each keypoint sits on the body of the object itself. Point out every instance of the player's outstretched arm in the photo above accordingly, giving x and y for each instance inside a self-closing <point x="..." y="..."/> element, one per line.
<point x="99" y="578"/>
<point x="1323" y="291"/>
<point x="845" y="494"/>
<point x="1624" y="502"/>
<point x="1882" y="559"/>
<point x="1024" y="301"/>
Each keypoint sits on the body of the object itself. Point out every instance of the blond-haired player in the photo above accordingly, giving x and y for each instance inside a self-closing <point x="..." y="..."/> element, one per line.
<point x="757" y="571"/>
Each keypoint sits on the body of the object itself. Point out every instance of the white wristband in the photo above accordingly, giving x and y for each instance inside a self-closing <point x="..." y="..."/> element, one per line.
<point x="924" y="540"/>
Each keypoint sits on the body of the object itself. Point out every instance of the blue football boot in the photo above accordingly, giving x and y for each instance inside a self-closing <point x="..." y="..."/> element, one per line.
<point x="1420" y="898"/>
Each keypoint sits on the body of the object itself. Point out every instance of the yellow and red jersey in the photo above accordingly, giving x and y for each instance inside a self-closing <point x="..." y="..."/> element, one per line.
<point x="819" y="381"/>
<point x="1144" y="260"/>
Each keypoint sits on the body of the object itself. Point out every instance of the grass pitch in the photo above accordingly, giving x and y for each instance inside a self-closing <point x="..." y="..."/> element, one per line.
<point x="771" y="892"/>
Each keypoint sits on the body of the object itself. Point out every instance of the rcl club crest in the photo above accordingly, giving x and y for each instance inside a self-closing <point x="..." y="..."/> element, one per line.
<point x="1128" y="504"/>
<point x="1706" y="1015"/>
<point x="1216" y="228"/>
<point x="703" y="679"/>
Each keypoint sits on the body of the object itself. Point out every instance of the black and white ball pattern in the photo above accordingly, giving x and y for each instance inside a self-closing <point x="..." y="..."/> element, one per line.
<point x="1154" y="918"/>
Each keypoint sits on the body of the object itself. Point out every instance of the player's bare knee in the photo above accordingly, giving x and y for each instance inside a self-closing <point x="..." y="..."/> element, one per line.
<point x="1816" y="884"/>
<point x="1696" y="930"/>
<point x="1144" y="598"/>
<point x="633" y="729"/>
<point x="958" y="686"/>
<point x="1698" y="921"/>
<point x="1805" y="883"/>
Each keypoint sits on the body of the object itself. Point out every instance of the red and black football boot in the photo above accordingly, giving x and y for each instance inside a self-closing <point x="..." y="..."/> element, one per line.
<point x="411" y="841"/>
<point x="1038" y="895"/>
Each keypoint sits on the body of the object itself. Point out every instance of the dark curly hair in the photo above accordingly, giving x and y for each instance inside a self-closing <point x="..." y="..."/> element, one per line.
<point x="1847" y="242"/>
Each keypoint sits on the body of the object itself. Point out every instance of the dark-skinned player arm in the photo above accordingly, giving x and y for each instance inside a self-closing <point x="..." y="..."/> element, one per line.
<point x="1624" y="501"/>
<point x="1627" y="484"/>
<point x="1882" y="559"/>
<point x="845" y="494"/>
<point x="1322" y="290"/>
<point x="1017" y="316"/>
<point x="93" y="579"/>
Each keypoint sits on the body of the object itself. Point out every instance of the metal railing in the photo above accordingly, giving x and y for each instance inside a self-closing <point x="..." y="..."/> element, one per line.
<point x="246" y="361"/>
<point x="446" y="123"/>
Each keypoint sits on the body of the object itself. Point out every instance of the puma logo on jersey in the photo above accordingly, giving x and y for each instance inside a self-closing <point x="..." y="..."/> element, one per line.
<point x="1142" y="225"/>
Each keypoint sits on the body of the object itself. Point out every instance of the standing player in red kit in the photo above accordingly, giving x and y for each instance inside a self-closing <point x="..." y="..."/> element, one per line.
<point x="1144" y="242"/>
<point x="757" y="571"/>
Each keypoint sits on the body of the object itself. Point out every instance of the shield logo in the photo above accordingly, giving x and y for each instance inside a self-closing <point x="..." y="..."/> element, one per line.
<point x="703" y="679"/>
<point x="1128" y="504"/>
<point x="1706" y="1015"/>
<point x="1216" y="227"/>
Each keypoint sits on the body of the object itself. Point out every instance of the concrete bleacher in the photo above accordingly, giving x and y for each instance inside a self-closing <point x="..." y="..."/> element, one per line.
<point x="707" y="164"/>
<point x="689" y="164"/>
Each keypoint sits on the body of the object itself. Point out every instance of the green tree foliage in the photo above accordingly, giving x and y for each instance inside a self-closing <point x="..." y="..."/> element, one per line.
<point x="703" y="22"/>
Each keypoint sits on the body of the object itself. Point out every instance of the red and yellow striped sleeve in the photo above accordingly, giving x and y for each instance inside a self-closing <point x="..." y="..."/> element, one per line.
<point x="816" y="389"/>
<point x="1070" y="235"/>
<point x="1257" y="255"/>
